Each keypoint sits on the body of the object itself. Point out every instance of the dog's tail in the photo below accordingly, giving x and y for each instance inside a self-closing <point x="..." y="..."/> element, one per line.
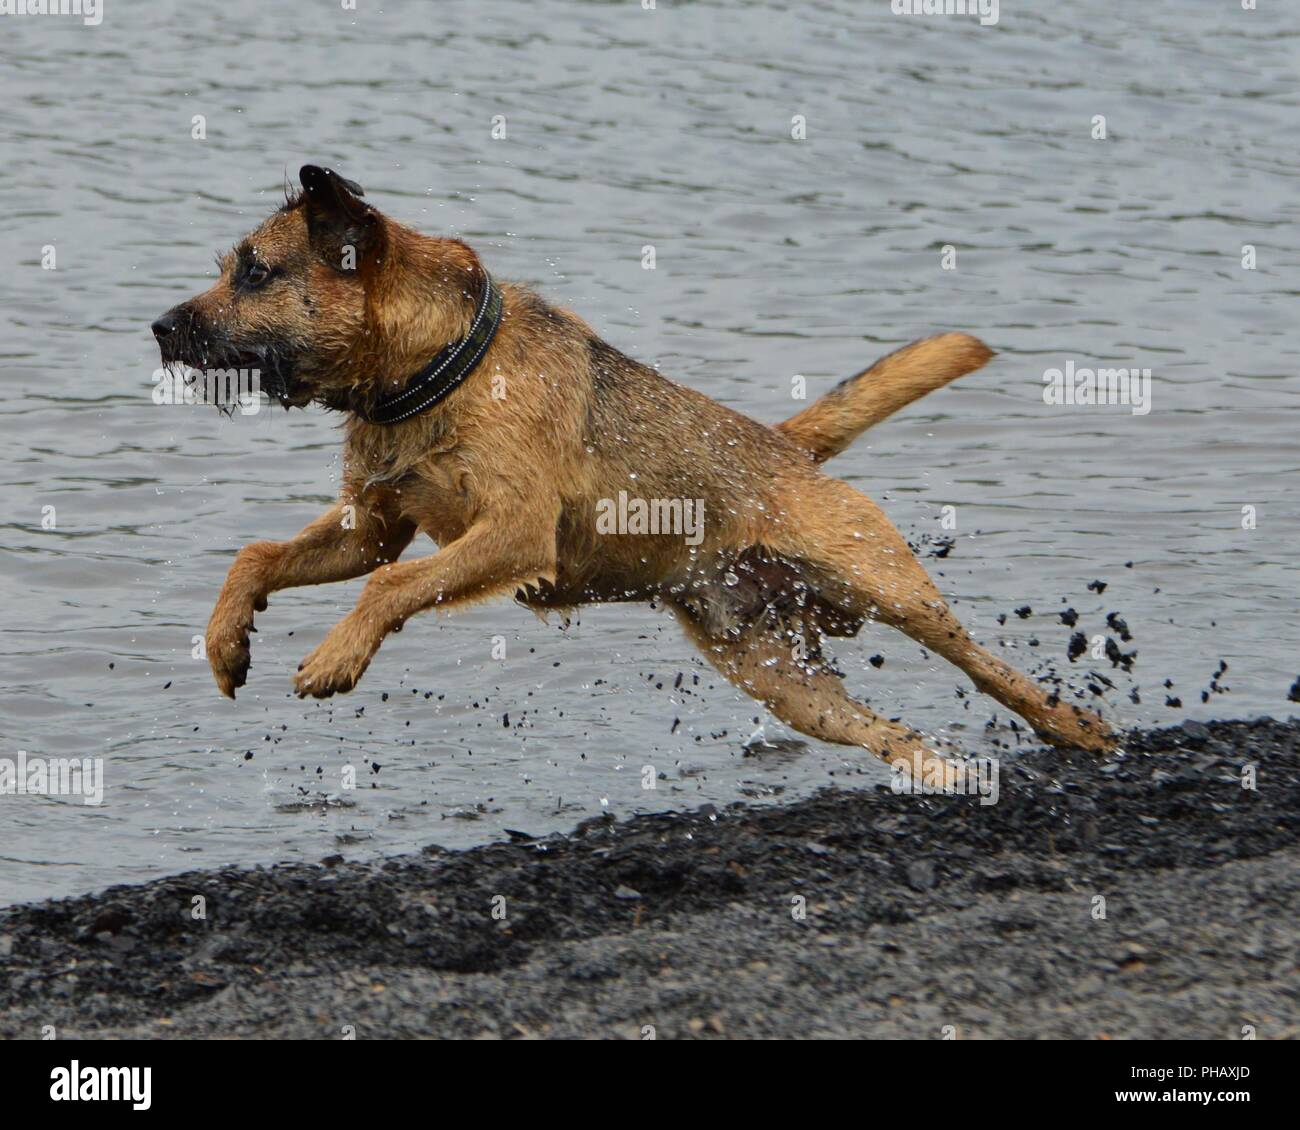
<point x="827" y="426"/>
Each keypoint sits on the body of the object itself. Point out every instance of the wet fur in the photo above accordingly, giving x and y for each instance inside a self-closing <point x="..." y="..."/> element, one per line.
<point x="508" y="484"/>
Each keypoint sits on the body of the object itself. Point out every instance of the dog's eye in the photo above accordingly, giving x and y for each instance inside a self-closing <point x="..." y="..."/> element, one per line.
<point x="258" y="273"/>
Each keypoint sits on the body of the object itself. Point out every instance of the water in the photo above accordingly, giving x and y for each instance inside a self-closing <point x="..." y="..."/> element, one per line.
<point x="775" y="257"/>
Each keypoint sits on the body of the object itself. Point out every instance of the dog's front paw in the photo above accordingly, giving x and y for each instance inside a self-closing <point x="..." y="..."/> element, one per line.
<point x="335" y="666"/>
<point x="226" y="642"/>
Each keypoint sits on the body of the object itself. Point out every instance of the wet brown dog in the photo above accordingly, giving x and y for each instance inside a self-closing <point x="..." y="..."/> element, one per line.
<point x="508" y="471"/>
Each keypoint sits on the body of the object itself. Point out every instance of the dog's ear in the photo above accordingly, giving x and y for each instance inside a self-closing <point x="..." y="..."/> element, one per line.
<point x="339" y="223"/>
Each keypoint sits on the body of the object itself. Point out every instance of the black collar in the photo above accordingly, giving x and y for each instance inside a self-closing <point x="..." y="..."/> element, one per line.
<point x="449" y="367"/>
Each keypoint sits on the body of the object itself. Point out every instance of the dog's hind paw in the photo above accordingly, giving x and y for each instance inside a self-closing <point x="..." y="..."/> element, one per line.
<point x="1073" y="727"/>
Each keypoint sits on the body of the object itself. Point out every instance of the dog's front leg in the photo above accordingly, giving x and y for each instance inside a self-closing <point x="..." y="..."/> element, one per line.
<point x="349" y="540"/>
<point x="489" y="558"/>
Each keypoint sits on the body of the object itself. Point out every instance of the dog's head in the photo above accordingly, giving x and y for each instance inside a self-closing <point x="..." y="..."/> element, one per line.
<point x="308" y="298"/>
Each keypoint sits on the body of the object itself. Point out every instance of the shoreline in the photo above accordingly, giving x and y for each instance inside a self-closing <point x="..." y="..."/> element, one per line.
<point x="920" y="914"/>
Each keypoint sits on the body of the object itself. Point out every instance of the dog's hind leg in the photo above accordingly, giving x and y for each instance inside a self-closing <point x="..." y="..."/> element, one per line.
<point x="782" y="667"/>
<point x="861" y="563"/>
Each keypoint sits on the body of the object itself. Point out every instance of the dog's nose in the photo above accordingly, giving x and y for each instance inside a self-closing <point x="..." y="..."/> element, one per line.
<point x="169" y="323"/>
<point x="164" y="325"/>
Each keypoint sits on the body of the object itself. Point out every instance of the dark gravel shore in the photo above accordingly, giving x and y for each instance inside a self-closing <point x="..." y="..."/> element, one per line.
<point x="922" y="912"/>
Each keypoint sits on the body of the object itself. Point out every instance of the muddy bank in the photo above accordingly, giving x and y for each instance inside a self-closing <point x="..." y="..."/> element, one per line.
<point x="920" y="912"/>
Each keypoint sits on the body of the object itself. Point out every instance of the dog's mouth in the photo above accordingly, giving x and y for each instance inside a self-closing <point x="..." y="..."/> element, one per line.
<point x="265" y="368"/>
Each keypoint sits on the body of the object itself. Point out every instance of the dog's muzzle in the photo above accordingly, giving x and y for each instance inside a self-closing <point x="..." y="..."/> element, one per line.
<point x="168" y="329"/>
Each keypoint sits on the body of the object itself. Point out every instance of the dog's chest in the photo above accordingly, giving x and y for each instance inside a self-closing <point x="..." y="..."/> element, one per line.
<point x="437" y="498"/>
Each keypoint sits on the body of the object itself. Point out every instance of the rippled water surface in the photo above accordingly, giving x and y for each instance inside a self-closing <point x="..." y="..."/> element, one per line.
<point x="775" y="257"/>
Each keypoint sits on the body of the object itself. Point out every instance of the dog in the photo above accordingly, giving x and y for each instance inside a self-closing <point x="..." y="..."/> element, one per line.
<point x="499" y="425"/>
